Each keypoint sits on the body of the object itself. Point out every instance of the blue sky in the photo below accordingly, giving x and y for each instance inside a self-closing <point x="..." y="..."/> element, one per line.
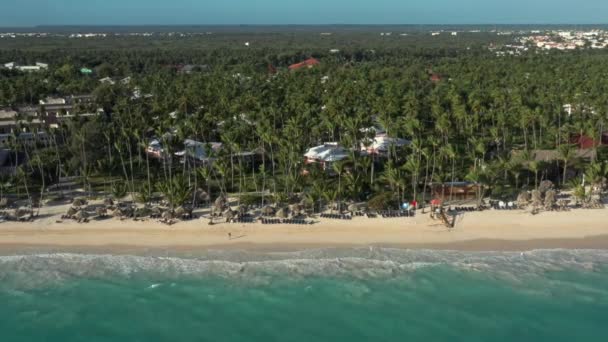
<point x="183" y="12"/>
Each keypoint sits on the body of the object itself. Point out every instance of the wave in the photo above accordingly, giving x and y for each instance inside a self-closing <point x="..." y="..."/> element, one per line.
<point x="38" y="270"/>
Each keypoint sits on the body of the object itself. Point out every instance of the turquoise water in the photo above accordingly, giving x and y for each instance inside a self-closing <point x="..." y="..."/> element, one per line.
<point x="321" y="295"/>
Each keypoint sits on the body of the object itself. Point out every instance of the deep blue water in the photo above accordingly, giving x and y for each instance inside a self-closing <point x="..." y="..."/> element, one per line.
<point x="321" y="295"/>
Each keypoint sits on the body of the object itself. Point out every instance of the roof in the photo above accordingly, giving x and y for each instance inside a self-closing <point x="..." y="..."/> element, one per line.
<point x="309" y="63"/>
<point x="7" y="114"/>
<point x="383" y="143"/>
<point x="328" y="152"/>
<point x="586" y="142"/>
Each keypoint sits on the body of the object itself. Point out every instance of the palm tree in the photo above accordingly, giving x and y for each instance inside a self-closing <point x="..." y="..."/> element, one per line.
<point x="339" y="167"/>
<point x="176" y="191"/>
<point x="566" y="154"/>
<point x="534" y="166"/>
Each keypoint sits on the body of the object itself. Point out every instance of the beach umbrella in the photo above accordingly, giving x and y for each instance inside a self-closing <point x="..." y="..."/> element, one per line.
<point x="22" y="212"/>
<point x="220" y="203"/>
<point x="268" y="211"/>
<point x="101" y="211"/>
<point x="229" y="215"/>
<point x="436" y="202"/>
<point x="550" y="200"/>
<point x="537" y="200"/>
<point x="71" y="212"/>
<point x="180" y="211"/>
<point x="81" y="215"/>
<point x="167" y="215"/>
<point x="243" y="209"/>
<point x="522" y="199"/>
<point x="283" y="213"/>
<point x="79" y="202"/>
<point x="108" y="202"/>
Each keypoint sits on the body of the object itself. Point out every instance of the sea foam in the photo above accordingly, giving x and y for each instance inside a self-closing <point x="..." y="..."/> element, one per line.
<point x="44" y="269"/>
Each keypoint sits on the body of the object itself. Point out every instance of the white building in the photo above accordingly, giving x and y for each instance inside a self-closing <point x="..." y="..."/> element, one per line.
<point x="325" y="154"/>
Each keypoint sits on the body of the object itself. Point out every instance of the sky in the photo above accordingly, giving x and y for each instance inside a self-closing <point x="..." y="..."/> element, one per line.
<point x="267" y="12"/>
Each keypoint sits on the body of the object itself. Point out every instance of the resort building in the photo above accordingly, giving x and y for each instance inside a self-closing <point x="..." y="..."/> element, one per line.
<point x="382" y="144"/>
<point x="26" y="68"/>
<point x="326" y="154"/>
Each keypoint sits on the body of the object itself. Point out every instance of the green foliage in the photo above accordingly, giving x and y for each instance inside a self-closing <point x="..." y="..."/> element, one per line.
<point x="472" y="120"/>
<point x="251" y="199"/>
<point x="383" y="201"/>
<point x="119" y="189"/>
<point x="176" y="191"/>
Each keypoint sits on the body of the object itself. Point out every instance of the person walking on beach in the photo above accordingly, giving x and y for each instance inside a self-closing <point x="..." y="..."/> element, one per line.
<point x="229" y="236"/>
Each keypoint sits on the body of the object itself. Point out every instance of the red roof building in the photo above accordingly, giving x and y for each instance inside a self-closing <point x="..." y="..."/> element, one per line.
<point x="309" y="63"/>
<point x="436" y="78"/>
<point x="586" y="142"/>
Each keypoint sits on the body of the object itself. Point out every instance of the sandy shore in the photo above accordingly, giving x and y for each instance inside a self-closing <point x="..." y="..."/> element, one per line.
<point x="481" y="231"/>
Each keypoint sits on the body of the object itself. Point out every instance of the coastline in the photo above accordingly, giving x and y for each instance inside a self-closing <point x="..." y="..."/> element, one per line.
<point x="479" y="231"/>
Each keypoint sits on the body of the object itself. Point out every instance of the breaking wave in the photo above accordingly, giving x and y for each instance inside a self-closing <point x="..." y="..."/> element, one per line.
<point x="38" y="270"/>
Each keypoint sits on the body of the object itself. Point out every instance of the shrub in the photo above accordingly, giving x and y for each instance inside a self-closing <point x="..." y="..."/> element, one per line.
<point x="382" y="201"/>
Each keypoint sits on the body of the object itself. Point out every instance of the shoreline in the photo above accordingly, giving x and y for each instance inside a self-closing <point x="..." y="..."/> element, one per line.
<point x="478" y="231"/>
<point x="599" y="242"/>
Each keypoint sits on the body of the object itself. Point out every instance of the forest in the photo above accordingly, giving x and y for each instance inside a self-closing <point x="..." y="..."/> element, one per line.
<point x="470" y="117"/>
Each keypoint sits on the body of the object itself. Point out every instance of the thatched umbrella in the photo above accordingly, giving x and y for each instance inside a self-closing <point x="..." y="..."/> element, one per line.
<point x="79" y="202"/>
<point x="283" y="213"/>
<point x="167" y="215"/>
<point x="180" y="211"/>
<point x="537" y="200"/>
<point x="4" y="203"/>
<point x="545" y="186"/>
<point x="220" y="203"/>
<point x="523" y="199"/>
<point x="108" y="202"/>
<point x="268" y="211"/>
<point x="101" y="211"/>
<point x="202" y="196"/>
<point x="550" y="200"/>
<point x="81" y="215"/>
<point x="353" y="208"/>
<point x="23" y="212"/>
<point x="125" y="211"/>
<point x="243" y="209"/>
<point x="296" y="210"/>
<point x="71" y="212"/>
<point x="142" y="212"/>
<point x="229" y="215"/>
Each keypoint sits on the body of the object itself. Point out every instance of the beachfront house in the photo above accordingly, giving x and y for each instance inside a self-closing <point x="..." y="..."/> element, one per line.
<point x="381" y="145"/>
<point x="199" y="151"/>
<point x="325" y="155"/>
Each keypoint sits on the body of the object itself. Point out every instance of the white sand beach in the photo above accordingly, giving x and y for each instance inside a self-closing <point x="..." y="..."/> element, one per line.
<point x="487" y="230"/>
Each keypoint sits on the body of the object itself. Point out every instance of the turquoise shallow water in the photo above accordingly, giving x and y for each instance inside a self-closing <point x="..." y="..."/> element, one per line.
<point x="321" y="295"/>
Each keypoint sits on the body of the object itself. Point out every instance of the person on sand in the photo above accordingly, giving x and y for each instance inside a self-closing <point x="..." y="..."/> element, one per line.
<point x="229" y="236"/>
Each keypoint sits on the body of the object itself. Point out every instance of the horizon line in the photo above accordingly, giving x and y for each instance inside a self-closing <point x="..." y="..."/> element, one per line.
<point x="309" y="25"/>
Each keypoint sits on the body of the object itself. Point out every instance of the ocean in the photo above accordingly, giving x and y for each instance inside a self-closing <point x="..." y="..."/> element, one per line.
<point x="363" y="294"/>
